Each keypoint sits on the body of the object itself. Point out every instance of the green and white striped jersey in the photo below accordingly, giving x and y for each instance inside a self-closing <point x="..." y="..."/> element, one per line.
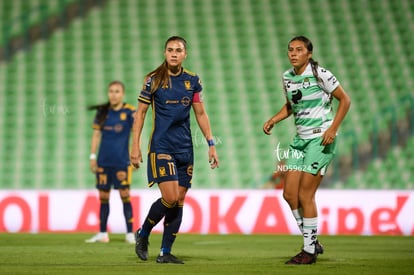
<point x="310" y="100"/>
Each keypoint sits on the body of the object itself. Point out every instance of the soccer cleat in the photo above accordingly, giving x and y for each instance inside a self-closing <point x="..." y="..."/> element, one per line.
<point x="318" y="248"/>
<point x="101" y="237"/>
<point x="303" y="257"/>
<point x="130" y="238"/>
<point x="168" y="258"/>
<point x="141" y="246"/>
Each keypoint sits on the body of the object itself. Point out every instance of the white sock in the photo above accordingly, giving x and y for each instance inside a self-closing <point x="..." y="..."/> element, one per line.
<point x="299" y="219"/>
<point x="310" y="230"/>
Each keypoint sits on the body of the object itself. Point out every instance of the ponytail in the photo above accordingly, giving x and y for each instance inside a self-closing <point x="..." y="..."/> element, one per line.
<point x="314" y="65"/>
<point x="102" y="112"/>
<point x="160" y="77"/>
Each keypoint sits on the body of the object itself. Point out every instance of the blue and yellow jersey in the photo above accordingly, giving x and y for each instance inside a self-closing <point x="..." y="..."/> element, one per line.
<point x="114" y="146"/>
<point x="171" y="112"/>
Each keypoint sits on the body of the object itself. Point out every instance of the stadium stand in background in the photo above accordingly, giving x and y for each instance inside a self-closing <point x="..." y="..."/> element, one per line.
<point x="58" y="56"/>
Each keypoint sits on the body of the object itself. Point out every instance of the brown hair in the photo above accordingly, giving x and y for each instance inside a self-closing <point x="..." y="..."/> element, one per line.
<point x="160" y="75"/>
<point x="309" y="47"/>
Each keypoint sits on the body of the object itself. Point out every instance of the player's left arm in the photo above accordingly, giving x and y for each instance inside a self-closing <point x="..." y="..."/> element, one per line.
<point x="343" y="107"/>
<point x="204" y="124"/>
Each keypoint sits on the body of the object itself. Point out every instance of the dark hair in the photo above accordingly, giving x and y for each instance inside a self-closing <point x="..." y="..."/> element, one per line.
<point x="309" y="47"/>
<point x="160" y="74"/>
<point x="103" y="108"/>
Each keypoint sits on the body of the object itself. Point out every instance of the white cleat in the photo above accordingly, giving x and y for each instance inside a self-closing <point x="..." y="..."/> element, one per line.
<point x="101" y="237"/>
<point x="130" y="238"/>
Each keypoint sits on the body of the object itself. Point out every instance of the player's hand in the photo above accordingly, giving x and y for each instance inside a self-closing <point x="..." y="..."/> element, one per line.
<point x="267" y="127"/>
<point x="136" y="157"/>
<point x="213" y="157"/>
<point x="93" y="165"/>
<point x="328" y="137"/>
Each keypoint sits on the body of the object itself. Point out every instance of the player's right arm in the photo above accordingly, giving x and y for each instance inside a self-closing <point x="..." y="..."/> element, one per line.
<point x="284" y="112"/>
<point x="96" y="139"/>
<point x="136" y="155"/>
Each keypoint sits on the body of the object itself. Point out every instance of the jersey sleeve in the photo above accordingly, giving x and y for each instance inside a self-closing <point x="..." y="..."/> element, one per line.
<point x="329" y="82"/>
<point x="145" y="95"/>
<point x="198" y="91"/>
<point x="198" y="87"/>
<point x="131" y="114"/>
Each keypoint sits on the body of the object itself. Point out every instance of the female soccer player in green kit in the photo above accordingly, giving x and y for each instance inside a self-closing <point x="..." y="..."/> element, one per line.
<point x="309" y="90"/>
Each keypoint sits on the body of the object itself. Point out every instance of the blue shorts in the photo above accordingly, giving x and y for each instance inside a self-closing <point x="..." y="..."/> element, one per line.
<point x="118" y="177"/>
<point x="170" y="167"/>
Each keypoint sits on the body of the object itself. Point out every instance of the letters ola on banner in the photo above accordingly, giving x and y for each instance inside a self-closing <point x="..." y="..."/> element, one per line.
<point x="213" y="212"/>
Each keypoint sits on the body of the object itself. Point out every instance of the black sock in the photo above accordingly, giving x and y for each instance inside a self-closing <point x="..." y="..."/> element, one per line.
<point x="157" y="211"/>
<point x="172" y="223"/>
<point x="103" y="215"/>
<point x="129" y="219"/>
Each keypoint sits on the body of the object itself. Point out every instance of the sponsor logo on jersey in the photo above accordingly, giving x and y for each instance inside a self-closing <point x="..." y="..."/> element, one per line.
<point x="164" y="156"/>
<point x="332" y="79"/>
<point x="185" y="101"/>
<point x="303" y="113"/>
<point x="147" y="82"/>
<point x="169" y="101"/>
<point x="118" y="127"/>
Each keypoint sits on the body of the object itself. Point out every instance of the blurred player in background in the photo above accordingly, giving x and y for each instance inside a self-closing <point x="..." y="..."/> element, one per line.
<point x="309" y="89"/>
<point x="112" y="129"/>
<point x="172" y="91"/>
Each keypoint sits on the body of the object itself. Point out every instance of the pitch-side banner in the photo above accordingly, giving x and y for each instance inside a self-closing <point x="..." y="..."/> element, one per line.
<point x="212" y="212"/>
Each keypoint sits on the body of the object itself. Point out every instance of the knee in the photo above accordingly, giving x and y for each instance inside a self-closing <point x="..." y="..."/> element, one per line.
<point x="289" y="197"/>
<point x="104" y="196"/>
<point x="170" y="200"/>
<point x="124" y="194"/>
<point x="305" y="198"/>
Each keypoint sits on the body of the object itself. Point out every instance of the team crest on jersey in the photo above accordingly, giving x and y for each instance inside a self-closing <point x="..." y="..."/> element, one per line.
<point x="162" y="171"/>
<point x="306" y="83"/>
<point x="187" y="84"/>
<point x="123" y="116"/>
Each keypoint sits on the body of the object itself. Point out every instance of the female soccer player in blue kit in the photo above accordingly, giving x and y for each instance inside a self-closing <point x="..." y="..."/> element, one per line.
<point x="309" y="90"/>
<point x="171" y="90"/>
<point x="112" y="129"/>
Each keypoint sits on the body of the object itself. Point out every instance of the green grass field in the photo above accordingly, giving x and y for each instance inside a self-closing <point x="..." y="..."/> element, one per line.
<point x="204" y="254"/>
